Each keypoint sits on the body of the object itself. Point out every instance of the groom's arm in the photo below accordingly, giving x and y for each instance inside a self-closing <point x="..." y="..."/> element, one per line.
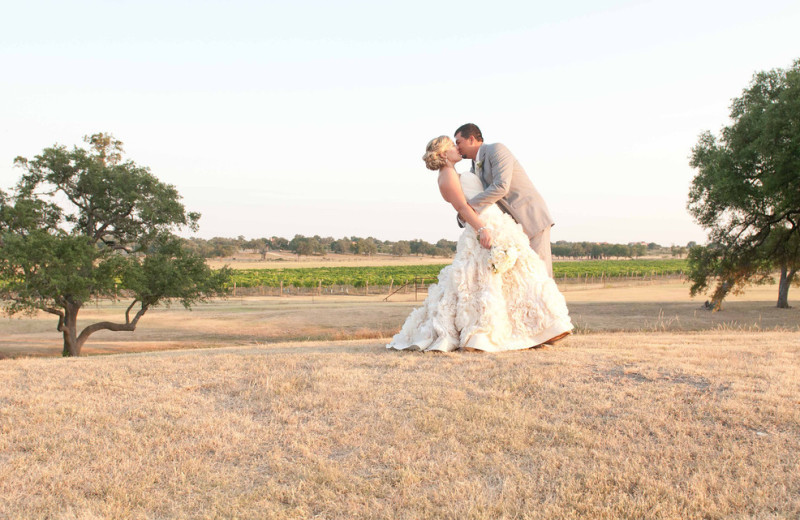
<point x="502" y="163"/>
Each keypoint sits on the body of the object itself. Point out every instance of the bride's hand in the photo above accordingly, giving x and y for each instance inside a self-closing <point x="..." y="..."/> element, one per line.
<point x="485" y="236"/>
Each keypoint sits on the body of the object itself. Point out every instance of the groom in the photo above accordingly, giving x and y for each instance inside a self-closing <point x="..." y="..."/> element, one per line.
<point x="506" y="183"/>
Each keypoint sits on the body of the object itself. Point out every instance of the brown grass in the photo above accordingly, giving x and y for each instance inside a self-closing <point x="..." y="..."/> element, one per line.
<point x="237" y="321"/>
<point x="636" y="425"/>
<point x="241" y="321"/>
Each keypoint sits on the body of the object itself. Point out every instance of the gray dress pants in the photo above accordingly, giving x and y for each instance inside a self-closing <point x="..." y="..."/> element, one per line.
<point x="541" y="244"/>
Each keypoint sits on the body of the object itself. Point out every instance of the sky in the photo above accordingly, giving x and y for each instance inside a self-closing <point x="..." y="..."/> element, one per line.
<point x="311" y="117"/>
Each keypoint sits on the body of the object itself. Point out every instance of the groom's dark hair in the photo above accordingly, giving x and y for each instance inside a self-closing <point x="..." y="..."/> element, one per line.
<point x="469" y="130"/>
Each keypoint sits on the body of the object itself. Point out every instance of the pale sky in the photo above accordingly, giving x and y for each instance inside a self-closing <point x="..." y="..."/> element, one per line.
<point x="310" y="118"/>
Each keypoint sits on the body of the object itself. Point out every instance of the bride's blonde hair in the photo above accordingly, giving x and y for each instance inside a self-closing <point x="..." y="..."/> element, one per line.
<point x="434" y="152"/>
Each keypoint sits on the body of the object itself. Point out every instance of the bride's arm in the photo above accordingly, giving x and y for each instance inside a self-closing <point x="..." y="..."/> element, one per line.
<point x="451" y="191"/>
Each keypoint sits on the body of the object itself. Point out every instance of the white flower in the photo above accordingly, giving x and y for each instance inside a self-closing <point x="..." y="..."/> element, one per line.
<point x="502" y="258"/>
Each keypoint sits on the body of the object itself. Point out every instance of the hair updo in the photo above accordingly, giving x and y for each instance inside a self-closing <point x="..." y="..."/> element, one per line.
<point x="434" y="152"/>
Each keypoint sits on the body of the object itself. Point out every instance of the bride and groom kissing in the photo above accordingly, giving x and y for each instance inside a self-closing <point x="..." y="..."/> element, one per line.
<point x="498" y="294"/>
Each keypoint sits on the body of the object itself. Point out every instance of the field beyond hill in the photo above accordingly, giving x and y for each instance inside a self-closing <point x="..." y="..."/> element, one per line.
<point x="658" y="307"/>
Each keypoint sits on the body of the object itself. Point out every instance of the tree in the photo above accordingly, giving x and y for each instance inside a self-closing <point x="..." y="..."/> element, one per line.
<point x="747" y="191"/>
<point x="619" y="250"/>
<point x="341" y="246"/>
<point x="262" y="246"/>
<point x="401" y="248"/>
<point x="258" y="245"/>
<point x="639" y="250"/>
<point x="84" y="224"/>
<point x="279" y="243"/>
<point x="560" y="248"/>
<point x="365" y="246"/>
<point x="578" y="250"/>
<point x="449" y="245"/>
<point x="222" y="247"/>
<point x="677" y="250"/>
<point x="301" y="245"/>
<point x="419" y="247"/>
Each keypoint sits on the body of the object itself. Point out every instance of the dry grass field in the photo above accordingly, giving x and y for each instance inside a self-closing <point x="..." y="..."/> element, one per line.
<point x="248" y="320"/>
<point x="293" y="408"/>
<point x="635" y="425"/>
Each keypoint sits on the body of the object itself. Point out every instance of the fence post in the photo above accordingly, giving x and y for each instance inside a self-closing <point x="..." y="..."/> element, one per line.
<point x="281" y="294"/>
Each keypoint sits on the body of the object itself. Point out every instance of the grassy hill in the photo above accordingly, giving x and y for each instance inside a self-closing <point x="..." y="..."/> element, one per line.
<point x="636" y="425"/>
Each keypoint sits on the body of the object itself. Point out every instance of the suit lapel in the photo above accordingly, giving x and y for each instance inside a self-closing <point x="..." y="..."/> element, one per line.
<point x="481" y="157"/>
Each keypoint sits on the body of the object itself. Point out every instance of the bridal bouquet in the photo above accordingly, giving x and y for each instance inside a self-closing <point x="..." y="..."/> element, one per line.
<point x="502" y="258"/>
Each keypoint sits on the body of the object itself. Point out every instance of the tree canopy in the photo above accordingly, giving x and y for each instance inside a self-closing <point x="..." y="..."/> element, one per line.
<point x="747" y="190"/>
<point x="83" y="224"/>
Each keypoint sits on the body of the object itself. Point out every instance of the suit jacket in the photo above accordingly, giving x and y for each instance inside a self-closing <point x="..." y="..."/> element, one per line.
<point x="507" y="184"/>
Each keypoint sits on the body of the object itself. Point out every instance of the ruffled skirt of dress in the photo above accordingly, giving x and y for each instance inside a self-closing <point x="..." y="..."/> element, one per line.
<point x="475" y="308"/>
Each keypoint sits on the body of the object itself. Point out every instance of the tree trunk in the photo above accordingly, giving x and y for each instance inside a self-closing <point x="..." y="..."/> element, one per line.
<point x="73" y="342"/>
<point x="721" y="291"/>
<point x="69" y="329"/>
<point x="129" y="326"/>
<point x="783" y="287"/>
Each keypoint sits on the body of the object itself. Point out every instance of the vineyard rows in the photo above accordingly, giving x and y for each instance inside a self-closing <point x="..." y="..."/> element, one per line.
<point x="398" y="275"/>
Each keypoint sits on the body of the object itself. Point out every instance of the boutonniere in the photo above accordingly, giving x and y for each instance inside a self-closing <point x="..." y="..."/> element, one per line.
<point x="479" y="165"/>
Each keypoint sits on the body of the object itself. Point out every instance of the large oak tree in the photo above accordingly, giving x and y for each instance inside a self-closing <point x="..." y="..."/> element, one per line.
<point x="747" y="191"/>
<point x="84" y="224"/>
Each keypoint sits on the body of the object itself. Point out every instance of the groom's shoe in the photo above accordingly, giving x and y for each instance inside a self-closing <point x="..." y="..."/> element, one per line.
<point x="553" y="341"/>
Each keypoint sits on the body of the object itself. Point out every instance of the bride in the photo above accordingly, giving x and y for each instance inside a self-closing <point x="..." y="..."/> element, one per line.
<point x="497" y="294"/>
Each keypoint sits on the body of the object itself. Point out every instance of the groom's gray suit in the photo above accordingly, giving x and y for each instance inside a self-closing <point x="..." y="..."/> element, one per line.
<point x="506" y="183"/>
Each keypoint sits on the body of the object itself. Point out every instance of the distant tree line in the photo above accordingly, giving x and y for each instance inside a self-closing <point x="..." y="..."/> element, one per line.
<point x="602" y="250"/>
<point x="320" y="246"/>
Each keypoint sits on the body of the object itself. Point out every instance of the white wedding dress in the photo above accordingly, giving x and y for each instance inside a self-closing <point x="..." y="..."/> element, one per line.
<point x="475" y="308"/>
